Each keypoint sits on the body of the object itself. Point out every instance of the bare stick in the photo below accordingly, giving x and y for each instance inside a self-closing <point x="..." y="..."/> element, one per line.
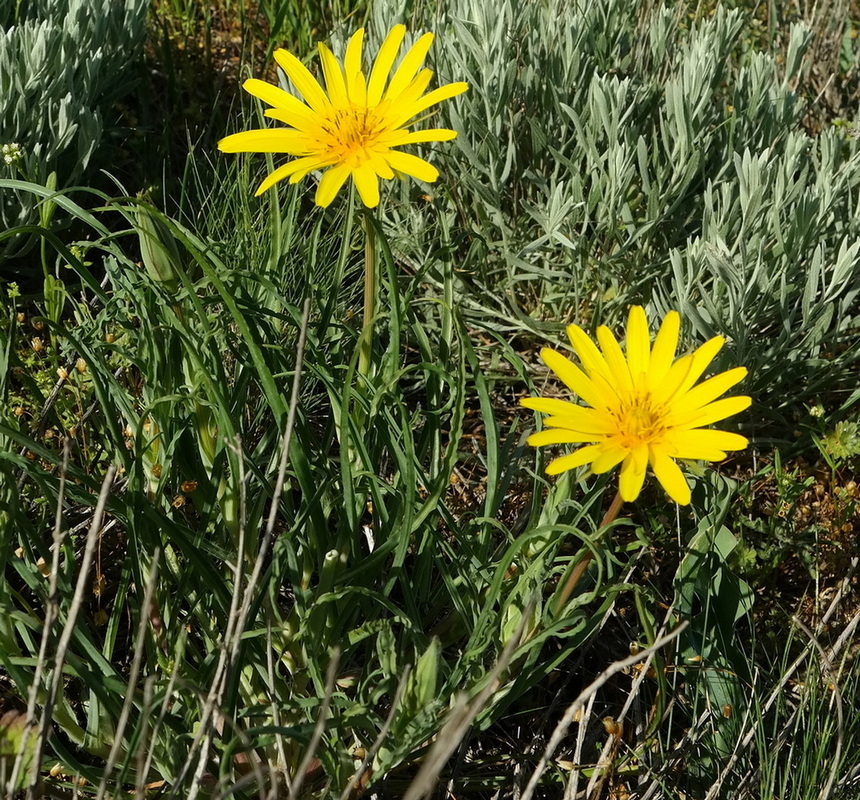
<point x="237" y="619"/>
<point x="145" y="711"/>
<point x="579" y="570"/>
<point x="573" y="784"/>
<point x="597" y="683"/>
<point x="162" y="714"/>
<point x="789" y="673"/>
<point x="69" y="629"/>
<point x="386" y="726"/>
<point x="331" y="674"/>
<point x="827" y="668"/>
<point x="276" y="713"/>
<point x="461" y="717"/>
<point x="133" y="675"/>
<point x="52" y="610"/>
<point x="600" y="774"/>
<point x="291" y="419"/>
<point x="222" y="670"/>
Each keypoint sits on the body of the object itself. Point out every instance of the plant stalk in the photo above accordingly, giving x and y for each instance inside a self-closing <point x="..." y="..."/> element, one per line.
<point x="576" y="574"/>
<point x="366" y="341"/>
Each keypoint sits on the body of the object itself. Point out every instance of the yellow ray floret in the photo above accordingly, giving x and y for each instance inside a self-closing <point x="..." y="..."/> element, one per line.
<point x="349" y="127"/>
<point x="644" y="406"/>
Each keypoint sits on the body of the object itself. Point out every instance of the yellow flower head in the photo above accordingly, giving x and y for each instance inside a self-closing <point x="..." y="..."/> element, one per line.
<point x="351" y="126"/>
<point x="645" y="408"/>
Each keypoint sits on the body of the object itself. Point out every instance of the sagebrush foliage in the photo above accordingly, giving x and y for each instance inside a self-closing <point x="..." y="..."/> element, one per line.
<point x="617" y="153"/>
<point x="61" y="63"/>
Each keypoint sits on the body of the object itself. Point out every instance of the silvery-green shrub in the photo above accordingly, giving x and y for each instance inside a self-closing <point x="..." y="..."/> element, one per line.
<point x="614" y="152"/>
<point x="61" y="63"/>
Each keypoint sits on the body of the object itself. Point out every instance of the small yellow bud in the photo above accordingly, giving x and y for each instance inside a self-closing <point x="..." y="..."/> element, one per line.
<point x="19" y="411"/>
<point x="81" y="365"/>
<point x="62" y="373"/>
<point x="110" y="338"/>
<point x="37" y="344"/>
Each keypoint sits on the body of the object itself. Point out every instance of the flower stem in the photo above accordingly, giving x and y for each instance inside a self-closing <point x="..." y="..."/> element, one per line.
<point x="573" y="579"/>
<point x="366" y="342"/>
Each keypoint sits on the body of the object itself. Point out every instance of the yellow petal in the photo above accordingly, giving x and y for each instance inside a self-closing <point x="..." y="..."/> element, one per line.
<point x="352" y="56"/>
<point x="380" y="165"/>
<point x="273" y="95"/>
<point x="665" y="345"/>
<point x="557" y="436"/>
<point x="301" y="166"/>
<point x="546" y="405"/>
<point x="701" y="358"/>
<point x="573" y="377"/>
<point x="585" y="420"/>
<point x="689" y="445"/>
<point x="409" y="66"/>
<point x="302" y="79"/>
<point x="615" y="360"/>
<point x="666" y="388"/>
<point x="310" y="164"/>
<point x="416" y="137"/>
<point x="670" y="476"/>
<point x="592" y="359"/>
<point x="300" y="117"/>
<point x="720" y="440"/>
<point x="334" y="80"/>
<point x="411" y="110"/>
<point x="705" y="392"/>
<point x="576" y="459"/>
<point x="367" y="183"/>
<point x="412" y="93"/>
<point x="610" y="455"/>
<point x="412" y="165"/>
<point x="357" y="88"/>
<point x="714" y="412"/>
<point x="638" y="343"/>
<point x="632" y="474"/>
<point x="264" y="140"/>
<point x="330" y="184"/>
<point x="383" y="63"/>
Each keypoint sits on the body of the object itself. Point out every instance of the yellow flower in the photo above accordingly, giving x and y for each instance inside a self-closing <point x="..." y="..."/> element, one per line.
<point x="645" y="408"/>
<point x="351" y="127"/>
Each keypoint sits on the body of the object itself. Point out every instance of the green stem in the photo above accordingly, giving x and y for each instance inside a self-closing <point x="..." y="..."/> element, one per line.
<point x="366" y="343"/>
<point x="573" y="579"/>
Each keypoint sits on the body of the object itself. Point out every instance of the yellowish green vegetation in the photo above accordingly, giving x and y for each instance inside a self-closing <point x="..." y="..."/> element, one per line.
<point x="272" y="523"/>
